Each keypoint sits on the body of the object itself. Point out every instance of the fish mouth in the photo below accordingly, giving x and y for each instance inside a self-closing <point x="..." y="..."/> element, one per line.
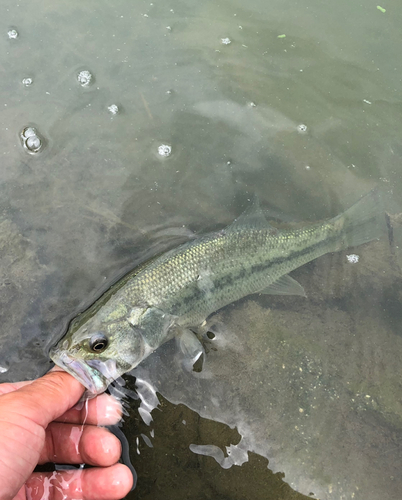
<point x="94" y="374"/>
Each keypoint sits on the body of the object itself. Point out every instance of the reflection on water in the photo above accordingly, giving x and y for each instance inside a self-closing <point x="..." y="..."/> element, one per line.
<point x="311" y="384"/>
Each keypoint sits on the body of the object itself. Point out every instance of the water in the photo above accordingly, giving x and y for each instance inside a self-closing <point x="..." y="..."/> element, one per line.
<point x="308" y="121"/>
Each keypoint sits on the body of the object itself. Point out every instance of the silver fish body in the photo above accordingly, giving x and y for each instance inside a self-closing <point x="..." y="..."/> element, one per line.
<point x="178" y="290"/>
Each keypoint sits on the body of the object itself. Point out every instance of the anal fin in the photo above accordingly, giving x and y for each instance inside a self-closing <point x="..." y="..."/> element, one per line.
<point x="285" y="285"/>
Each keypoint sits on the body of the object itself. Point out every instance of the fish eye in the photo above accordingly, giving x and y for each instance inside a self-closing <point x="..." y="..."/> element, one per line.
<point x="98" y="342"/>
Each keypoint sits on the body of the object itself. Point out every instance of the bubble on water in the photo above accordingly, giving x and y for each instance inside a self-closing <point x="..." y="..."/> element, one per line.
<point x="113" y="109"/>
<point x="28" y="132"/>
<point x="353" y="258"/>
<point x="307" y="167"/>
<point x="31" y="140"/>
<point x="226" y="41"/>
<point x="84" y="78"/>
<point x="12" y="34"/>
<point x="3" y="369"/>
<point x="34" y="143"/>
<point x="252" y="104"/>
<point x="164" y="150"/>
<point x="27" y="82"/>
<point x="302" y="129"/>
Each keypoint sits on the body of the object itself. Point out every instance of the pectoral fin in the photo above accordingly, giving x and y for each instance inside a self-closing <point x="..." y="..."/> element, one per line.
<point x="285" y="285"/>
<point x="189" y="344"/>
<point x="191" y="347"/>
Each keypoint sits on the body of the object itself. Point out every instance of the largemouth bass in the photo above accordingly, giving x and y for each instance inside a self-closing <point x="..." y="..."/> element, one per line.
<point x="172" y="295"/>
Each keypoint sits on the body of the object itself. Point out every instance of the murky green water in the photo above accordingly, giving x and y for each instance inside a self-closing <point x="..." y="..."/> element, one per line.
<point x="308" y="122"/>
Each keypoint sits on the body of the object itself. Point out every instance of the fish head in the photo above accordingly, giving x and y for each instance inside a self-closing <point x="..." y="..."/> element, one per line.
<point x="100" y="350"/>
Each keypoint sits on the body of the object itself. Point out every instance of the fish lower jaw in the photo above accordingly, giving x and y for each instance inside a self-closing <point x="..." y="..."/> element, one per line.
<point x="90" y="378"/>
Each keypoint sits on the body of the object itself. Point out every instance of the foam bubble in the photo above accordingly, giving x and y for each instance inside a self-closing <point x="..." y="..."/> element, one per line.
<point x="164" y="150"/>
<point x="12" y="34"/>
<point x="113" y="109"/>
<point x="353" y="258"/>
<point x="84" y="78"/>
<point x="302" y="128"/>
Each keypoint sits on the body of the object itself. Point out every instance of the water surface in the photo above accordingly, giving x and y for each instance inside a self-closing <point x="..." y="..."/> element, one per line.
<point x="308" y="121"/>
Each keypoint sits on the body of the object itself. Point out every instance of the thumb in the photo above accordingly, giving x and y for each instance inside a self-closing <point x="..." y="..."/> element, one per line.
<point x="44" y="399"/>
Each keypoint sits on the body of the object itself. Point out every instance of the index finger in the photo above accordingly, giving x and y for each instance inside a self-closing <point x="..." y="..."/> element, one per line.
<point x="102" y="410"/>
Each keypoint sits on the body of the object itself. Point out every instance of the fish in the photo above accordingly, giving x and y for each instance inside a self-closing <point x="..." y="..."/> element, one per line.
<point x="173" y="294"/>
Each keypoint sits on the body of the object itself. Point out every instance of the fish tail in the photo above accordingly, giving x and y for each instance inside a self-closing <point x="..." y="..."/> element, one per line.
<point x="362" y="222"/>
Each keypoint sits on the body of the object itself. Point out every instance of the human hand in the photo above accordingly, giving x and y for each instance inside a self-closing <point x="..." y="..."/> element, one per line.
<point x="38" y="424"/>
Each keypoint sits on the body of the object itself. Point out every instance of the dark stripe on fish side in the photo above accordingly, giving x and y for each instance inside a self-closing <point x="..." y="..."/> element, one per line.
<point x="295" y="255"/>
<point x="265" y="266"/>
<point x="231" y="279"/>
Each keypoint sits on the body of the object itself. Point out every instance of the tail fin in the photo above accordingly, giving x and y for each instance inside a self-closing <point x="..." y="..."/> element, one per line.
<point x="364" y="221"/>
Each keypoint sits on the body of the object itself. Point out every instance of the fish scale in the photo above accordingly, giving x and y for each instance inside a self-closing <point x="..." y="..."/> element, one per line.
<point x="220" y="258"/>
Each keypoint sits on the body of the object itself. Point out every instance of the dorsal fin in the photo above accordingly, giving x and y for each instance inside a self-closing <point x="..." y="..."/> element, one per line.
<point x="252" y="218"/>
